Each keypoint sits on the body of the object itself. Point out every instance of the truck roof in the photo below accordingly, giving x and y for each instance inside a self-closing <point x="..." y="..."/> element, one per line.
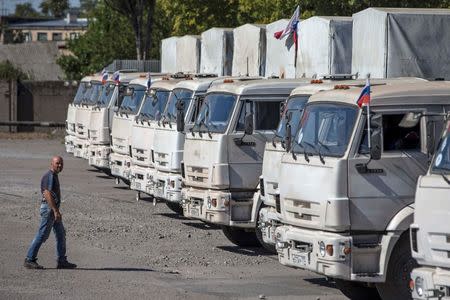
<point x="203" y="84"/>
<point x="260" y="87"/>
<point x="165" y="84"/>
<point x="86" y="78"/>
<point x="391" y="92"/>
<point x="411" y="11"/>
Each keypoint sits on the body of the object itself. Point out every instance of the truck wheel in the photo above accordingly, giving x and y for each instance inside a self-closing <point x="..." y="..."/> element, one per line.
<point x="175" y="207"/>
<point x="240" y="237"/>
<point x="400" y="265"/>
<point x="357" y="290"/>
<point x="269" y="247"/>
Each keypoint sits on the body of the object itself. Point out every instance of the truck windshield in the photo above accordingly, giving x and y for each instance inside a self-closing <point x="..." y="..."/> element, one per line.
<point x="441" y="162"/>
<point x="294" y="108"/>
<point x="153" y="107"/>
<point x="106" y="94"/>
<point x="87" y="94"/>
<point x="95" y="93"/>
<point x="80" y="93"/>
<point x="183" y="95"/>
<point x="325" y="129"/>
<point x="215" y="113"/>
<point x="132" y="99"/>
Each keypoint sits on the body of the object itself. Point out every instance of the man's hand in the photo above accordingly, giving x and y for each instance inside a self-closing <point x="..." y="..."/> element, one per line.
<point x="58" y="216"/>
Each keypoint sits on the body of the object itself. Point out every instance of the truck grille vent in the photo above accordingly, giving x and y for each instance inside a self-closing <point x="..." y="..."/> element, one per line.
<point x="414" y="239"/>
<point x="277" y="203"/>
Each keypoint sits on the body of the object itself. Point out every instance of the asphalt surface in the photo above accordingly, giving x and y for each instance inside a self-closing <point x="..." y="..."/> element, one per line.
<point x="125" y="248"/>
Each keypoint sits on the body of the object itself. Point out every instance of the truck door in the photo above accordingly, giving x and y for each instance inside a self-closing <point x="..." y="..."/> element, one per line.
<point x="377" y="193"/>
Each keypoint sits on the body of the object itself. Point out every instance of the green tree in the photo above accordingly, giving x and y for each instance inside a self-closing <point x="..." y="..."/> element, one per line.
<point x="55" y="8"/>
<point x="9" y="71"/>
<point x="87" y="7"/>
<point x="26" y="10"/>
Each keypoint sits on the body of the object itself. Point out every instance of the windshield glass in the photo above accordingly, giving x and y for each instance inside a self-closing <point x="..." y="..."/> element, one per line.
<point x="441" y="162"/>
<point x="177" y="95"/>
<point x="80" y="93"/>
<point x="294" y="109"/>
<point x="87" y="94"/>
<point x="215" y="113"/>
<point x="153" y="108"/>
<point x="132" y="99"/>
<point x="106" y="94"/>
<point x="325" y="128"/>
<point x="95" y="93"/>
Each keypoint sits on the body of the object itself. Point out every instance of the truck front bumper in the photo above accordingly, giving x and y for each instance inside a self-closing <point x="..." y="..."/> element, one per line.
<point x="142" y="179"/>
<point x="431" y="283"/>
<point x="99" y="156"/>
<point x="322" y="252"/>
<point x="120" y="165"/>
<point x="168" y="186"/>
<point x="269" y="220"/>
<point x="81" y="148"/>
<point x="217" y="207"/>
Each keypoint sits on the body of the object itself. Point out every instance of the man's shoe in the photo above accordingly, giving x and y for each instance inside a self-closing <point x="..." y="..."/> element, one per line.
<point x="32" y="264"/>
<point x="65" y="265"/>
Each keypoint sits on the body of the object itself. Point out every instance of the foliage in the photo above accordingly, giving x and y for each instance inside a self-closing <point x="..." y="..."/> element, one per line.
<point x="26" y="10"/>
<point x="56" y="8"/>
<point x="10" y="72"/>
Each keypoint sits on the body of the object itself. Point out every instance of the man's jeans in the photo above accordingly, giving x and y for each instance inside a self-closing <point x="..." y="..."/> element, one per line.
<point x="46" y="225"/>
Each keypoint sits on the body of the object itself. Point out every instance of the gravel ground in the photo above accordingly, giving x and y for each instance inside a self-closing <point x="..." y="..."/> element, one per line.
<point x="124" y="248"/>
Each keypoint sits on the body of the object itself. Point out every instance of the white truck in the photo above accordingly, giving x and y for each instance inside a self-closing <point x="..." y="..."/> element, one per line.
<point x="223" y="153"/>
<point x="100" y="122"/>
<point x="143" y="136"/>
<point x="124" y="115"/>
<point x="430" y="232"/>
<point x="83" y="88"/>
<point x="184" y="102"/>
<point x="346" y="207"/>
<point x="82" y="116"/>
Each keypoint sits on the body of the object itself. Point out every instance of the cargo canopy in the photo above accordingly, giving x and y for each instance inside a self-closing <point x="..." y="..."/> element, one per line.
<point x="324" y="46"/>
<point x="394" y="42"/>
<point x="280" y="54"/>
<point x="169" y="55"/>
<point x="188" y="54"/>
<point x="249" y="54"/>
<point x="217" y="51"/>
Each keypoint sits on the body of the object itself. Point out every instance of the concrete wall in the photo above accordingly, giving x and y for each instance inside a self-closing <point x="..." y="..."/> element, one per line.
<point x="37" y="101"/>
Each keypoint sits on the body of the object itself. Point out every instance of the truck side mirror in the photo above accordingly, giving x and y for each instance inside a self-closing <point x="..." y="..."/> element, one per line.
<point x="375" y="137"/>
<point x="288" y="137"/>
<point x="248" y="124"/>
<point x="180" y="116"/>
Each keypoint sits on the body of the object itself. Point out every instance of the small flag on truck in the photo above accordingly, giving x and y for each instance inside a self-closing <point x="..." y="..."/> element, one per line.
<point x="364" y="97"/>
<point x="116" y="77"/>
<point x="104" y="76"/>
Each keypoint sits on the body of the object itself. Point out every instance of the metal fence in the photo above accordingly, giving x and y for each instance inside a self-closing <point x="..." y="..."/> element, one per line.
<point x="152" y="65"/>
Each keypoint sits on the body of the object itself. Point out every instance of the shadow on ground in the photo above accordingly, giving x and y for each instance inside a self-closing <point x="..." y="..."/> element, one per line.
<point x="247" y="251"/>
<point x="201" y="225"/>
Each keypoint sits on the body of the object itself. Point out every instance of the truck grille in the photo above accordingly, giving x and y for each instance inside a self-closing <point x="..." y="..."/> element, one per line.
<point x="161" y="159"/>
<point x="302" y="211"/>
<point x="141" y="156"/>
<point x="277" y="203"/>
<point x="197" y="174"/>
<point x="119" y="145"/>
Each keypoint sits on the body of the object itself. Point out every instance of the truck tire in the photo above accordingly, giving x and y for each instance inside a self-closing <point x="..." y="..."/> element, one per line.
<point x="175" y="207"/>
<point x="240" y="237"/>
<point x="357" y="290"/>
<point x="269" y="247"/>
<point x="400" y="265"/>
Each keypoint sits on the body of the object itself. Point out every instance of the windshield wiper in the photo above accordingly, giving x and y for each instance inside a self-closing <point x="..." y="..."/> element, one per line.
<point x="318" y="151"/>
<point x="445" y="178"/>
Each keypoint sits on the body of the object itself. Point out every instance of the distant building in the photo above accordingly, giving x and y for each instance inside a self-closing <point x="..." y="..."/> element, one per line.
<point x="46" y="30"/>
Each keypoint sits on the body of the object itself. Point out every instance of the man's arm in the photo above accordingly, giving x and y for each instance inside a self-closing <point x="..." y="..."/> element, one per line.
<point x="51" y="202"/>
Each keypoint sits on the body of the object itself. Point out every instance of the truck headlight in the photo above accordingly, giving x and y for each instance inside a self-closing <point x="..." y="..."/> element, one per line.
<point x="322" y="249"/>
<point x="419" y="286"/>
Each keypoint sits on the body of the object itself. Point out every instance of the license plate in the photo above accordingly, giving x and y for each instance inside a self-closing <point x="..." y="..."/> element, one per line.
<point x="137" y="185"/>
<point x="195" y="212"/>
<point x="116" y="170"/>
<point x="300" y="258"/>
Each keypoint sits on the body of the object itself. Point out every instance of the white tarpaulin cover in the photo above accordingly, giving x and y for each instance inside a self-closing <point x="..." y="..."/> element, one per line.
<point x="249" y="54"/>
<point x="280" y="54"/>
<point x="393" y="42"/>
<point x="324" y="46"/>
<point x="217" y="51"/>
<point x="188" y="54"/>
<point x="169" y="55"/>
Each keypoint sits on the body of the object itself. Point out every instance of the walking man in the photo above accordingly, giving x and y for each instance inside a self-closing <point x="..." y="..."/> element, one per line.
<point x="50" y="218"/>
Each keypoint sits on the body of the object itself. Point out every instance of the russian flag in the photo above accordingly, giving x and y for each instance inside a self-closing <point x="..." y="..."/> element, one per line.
<point x="364" y="97"/>
<point x="291" y="27"/>
<point x="116" y="77"/>
<point x="104" y="76"/>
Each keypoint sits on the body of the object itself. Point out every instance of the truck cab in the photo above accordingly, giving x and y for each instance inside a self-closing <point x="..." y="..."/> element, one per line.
<point x="71" y="112"/>
<point x="143" y="135"/>
<point x="224" y="150"/>
<point x="184" y="102"/>
<point x="345" y="207"/>
<point x="123" y="118"/>
<point x="430" y="232"/>
<point x="82" y="116"/>
<point x="100" y="123"/>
